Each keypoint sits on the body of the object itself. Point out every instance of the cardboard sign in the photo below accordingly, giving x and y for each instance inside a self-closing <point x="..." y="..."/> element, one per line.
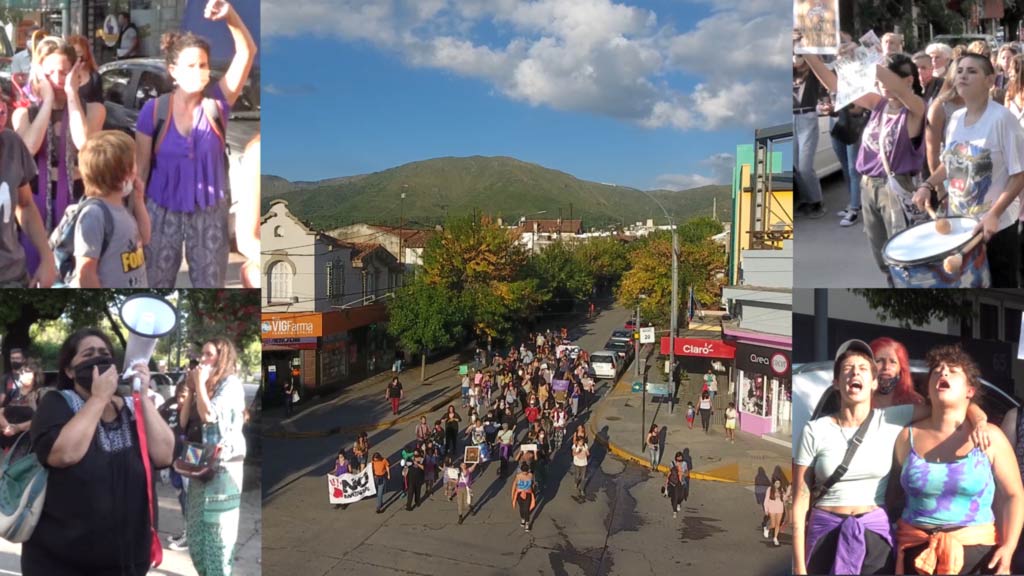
<point x="463" y="369"/>
<point x="349" y="488"/>
<point x="472" y="455"/>
<point x="856" y="71"/>
<point x="818" y="22"/>
<point x="528" y="448"/>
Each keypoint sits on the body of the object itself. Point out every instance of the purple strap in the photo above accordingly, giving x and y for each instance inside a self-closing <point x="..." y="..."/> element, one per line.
<point x="851" y="547"/>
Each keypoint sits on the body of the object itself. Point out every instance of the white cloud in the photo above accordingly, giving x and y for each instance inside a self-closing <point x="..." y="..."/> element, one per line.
<point x="720" y="165"/>
<point x="594" y="56"/>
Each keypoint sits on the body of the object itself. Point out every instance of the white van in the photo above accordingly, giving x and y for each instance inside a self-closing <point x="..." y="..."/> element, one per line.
<point x="605" y="364"/>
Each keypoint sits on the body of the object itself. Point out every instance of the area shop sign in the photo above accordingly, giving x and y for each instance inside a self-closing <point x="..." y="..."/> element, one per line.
<point x="763" y="360"/>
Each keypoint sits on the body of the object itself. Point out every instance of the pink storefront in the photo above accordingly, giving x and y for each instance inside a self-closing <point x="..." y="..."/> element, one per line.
<point x="763" y="380"/>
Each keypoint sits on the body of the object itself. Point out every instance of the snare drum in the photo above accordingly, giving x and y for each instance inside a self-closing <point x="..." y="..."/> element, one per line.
<point x="917" y="256"/>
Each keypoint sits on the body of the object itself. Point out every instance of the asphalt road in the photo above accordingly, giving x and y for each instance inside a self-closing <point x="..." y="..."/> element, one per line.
<point x="623" y="526"/>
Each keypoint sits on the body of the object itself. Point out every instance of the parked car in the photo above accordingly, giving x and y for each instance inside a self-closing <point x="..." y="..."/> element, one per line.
<point x="621" y="336"/>
<point x="606" y="365"/>
<point x="623" y="349"/>
<point x="826" y="162"/>
<point x="813" y="394"/>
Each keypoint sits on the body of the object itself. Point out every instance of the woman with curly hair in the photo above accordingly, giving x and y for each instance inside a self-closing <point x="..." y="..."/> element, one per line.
<point x="182" y="159"/>
<point x="895" y="386"/>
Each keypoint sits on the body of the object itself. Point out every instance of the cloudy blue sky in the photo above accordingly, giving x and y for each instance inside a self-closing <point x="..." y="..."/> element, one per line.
<point x="644" y="93"/>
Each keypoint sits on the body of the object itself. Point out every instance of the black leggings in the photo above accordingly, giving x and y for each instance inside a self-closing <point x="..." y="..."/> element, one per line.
<point x="879" y="558"/>
<point x="524" y="507"/>
<point x="675" y="495"/>
<point x="38" y="562"/>
<point x="1003" y="253"/>
<point x="451" y="441"/>
<point x="705" y="418"/>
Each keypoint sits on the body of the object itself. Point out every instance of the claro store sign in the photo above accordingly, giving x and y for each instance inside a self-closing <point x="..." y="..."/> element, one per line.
<point x="297" y="325"/>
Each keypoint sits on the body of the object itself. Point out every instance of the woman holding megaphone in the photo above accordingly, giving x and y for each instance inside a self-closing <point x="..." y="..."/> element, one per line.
<point x="95" y="518"/>
<point x="215" y="396"/>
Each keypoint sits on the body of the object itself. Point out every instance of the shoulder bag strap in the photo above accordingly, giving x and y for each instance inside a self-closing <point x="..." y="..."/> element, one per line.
<point x="840" y="470"/>
<point x="156" y="551"/>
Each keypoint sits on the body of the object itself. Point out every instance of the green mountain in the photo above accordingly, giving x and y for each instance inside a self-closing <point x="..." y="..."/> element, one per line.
<point x="499" y="186"/>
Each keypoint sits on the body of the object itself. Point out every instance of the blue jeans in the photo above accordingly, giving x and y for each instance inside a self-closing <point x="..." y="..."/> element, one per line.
<point x="847" y="155"/>
<point x="381" y="482"/>
<point x="805" y="128"/>
<point x="654" y="455"/>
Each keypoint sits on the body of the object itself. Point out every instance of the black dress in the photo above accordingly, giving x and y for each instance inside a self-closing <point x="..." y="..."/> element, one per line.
<point x="94" y="521"/>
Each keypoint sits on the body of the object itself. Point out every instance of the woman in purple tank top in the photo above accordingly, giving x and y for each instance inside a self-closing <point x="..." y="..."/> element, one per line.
<point x="896" y="127"/>
<point x="182" y="160"/>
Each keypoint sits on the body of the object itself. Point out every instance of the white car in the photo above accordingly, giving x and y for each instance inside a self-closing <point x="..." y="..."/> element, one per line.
<point x="811" y="381"/>
<point x="605" y="364"/>
<point x="825" y="161"/>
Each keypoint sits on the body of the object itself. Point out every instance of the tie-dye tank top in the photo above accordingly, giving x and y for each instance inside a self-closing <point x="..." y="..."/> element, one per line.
<point x="957" y="493"/>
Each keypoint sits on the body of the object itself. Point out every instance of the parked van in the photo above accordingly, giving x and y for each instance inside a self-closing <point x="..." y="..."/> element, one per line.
<point x="605" y="364"/>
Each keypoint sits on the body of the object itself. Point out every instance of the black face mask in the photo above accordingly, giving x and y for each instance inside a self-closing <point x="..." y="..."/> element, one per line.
<point x="83" y="370"/>
<point x="887" y="385"/>
<point x="16" y="365"/>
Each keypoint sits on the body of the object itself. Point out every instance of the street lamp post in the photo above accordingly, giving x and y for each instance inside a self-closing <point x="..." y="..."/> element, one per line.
<point x="674" y="313"/>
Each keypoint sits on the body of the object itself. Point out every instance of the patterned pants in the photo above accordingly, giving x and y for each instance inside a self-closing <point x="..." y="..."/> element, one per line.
<point x="204" y="235"/>
<point x="212" y="544"/>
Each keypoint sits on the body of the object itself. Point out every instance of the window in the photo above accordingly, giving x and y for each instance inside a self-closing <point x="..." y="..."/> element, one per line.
<point x="1011" y="325"/>
<point x="988" y="321"/>
<point x="281" y="275"/>
<point x="150" y="86"/>
<point x="335" y="280"/>
<point x="114" y="83"/>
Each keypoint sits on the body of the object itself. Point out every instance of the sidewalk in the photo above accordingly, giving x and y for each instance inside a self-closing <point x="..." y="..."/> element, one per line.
<point x="248" y="554"/>
<point x="232" y="280"/>
<point x="616" y="422"/>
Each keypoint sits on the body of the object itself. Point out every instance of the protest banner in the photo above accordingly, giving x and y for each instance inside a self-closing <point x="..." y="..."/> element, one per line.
<point x="818" y="23"/>
<point x="856" y="70"/>
<point x="349" y="488"/>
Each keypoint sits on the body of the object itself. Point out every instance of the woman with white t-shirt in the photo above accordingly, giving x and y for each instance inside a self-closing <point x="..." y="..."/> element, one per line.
<point x="847" y="530"/>
<point x="983" y="167"/>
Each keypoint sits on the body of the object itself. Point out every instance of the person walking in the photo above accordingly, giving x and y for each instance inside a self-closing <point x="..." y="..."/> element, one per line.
<point x="705" y="411"/>
<point x="452" y="421"/>
<point x="451" y="477"/>
<point x="422" y="430"/>
<point x="580" y="458"/>
<point x="414" y="479"/>
<point x="675" y="480"/>
<point x="523" y="497"/>
<point x="730" y="422"/>
<point x="381" y="476"/>
<point x="505" y="439"/>
<point x="341" y="466"/>
<point x="652" y="444"/>
<point x="774" y="507"/>
<point x="691" y="413"/>
<point x="395" y="394"/>
<point x="361" y="450"/>
<point x="464" y="491"/>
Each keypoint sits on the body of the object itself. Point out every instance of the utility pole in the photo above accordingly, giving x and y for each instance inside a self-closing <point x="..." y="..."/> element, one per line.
<point x="401" y="226"/>
<point x="636" y="341"/>
<point x="675" y="313"/>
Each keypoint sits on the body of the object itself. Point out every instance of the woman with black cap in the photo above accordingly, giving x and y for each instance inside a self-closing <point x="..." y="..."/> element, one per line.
<point x="95" y="518"/>
<point x="848" y="531"/>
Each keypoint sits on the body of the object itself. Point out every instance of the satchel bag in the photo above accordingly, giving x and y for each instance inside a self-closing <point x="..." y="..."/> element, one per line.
<point x="849" y="127"/>
<point x="198" y="461"/>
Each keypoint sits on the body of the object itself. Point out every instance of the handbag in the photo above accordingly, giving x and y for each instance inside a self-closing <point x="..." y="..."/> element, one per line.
<point x="198" y="461"/>
<point x="840" y="470"/>
<point x="295" y="397"/>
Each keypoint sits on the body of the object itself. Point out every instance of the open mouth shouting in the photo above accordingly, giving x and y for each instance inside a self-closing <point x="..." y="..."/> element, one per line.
<point x="942" y="384"/>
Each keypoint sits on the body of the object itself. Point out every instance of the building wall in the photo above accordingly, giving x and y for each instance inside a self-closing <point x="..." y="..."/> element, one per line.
<point x="773" y="315"/>
<point x="364" y="233"/>
<point x="768" y="268"/>
<point x="285" y="239"/>
<point x="742" y="205"/>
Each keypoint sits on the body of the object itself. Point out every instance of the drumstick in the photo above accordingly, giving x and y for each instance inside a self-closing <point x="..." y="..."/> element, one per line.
<point x="942" y="225"/>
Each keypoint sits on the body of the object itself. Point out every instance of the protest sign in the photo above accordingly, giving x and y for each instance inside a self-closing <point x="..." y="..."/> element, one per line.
<point x="818" y="23"/>
<point x="349" y="488"/>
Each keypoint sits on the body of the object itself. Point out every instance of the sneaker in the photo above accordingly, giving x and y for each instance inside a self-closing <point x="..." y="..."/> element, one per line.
<point x="179" y="545"/>
<point x="522" y="522"/>
<point x="765" y="531"/>
<point x="816" y="210"/>
<point x="775" y="541"/>
<point x="179" y="538"/>
<point x="850" y="219"/>
<point x="673" y="514"/>
<point x="527" y="527"/>
<point x="842" y="213"/>
<point x="461" y="518"/>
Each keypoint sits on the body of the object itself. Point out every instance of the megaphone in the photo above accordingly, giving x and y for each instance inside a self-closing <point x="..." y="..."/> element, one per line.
<point x="148" y="318"/>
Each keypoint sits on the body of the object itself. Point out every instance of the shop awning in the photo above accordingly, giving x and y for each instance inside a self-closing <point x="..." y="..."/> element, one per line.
<point x="699" y="347"/>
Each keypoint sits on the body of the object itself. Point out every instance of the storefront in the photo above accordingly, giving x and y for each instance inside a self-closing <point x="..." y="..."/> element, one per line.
<point x="695" y="356"/>
<point x="330" y="348"/>
<point x="765" y="388"/>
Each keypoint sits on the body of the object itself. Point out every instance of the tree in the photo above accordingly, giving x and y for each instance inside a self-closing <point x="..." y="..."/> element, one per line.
<point x="233" y="314"/>
<point x="424" y="316"/>
<point x="650" y="275"/>
<point x="916" y="307"/>
<point x="699" y="229"/>
<point x="702" y="266"/>
<point x="606" y="258"/>
<point x="561" y="274"/>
